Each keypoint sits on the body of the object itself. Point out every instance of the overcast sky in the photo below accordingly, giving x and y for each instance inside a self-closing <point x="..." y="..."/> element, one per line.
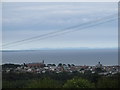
<point x="26" y="20"/>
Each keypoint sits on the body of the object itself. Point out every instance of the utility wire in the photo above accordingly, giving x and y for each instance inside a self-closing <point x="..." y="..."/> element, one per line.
<point x="66" y="30"/>
<point x="43" y="36"/>
<point x="59" y="34"/>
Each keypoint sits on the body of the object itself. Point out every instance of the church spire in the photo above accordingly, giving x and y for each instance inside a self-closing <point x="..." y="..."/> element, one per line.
<point x="43" y="61"/>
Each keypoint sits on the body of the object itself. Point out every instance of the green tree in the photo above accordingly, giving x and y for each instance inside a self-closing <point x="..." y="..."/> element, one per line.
<point x="60" y="64"/>
<point x="78" y="83"/>
<point x="69" y="65"/>
<point x="43" y="83"/>
<point x="106" y="82"/>
<point x="14" y="84"/>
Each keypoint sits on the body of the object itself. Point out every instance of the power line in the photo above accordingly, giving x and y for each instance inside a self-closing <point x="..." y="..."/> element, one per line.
<point x="51" y="33"/>
<point x="66" y="30"/>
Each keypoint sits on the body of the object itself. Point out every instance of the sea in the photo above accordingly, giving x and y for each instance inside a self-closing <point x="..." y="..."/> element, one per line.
<point x="65" y="56"/>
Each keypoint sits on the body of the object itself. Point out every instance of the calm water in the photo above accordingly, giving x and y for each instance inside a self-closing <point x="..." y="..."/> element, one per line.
<point x="78" y="57"/>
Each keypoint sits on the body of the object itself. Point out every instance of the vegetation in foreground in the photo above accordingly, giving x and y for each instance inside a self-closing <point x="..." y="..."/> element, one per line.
<point x="61" y="80"/>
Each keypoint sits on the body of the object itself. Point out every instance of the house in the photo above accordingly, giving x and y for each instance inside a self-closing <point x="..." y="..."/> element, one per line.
<point x="36" y="65"/>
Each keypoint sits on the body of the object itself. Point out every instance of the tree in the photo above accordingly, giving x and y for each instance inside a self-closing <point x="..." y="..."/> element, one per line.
<point x="53" y="65"/>
<point x="4" y="66"/>
<point x="72" y="65"/>
<point x="64" y="65"/>
<point x="43" y="83"/>
<point x="60" y="64"/>
<point x="69" y="65"/>
<point x="78" y="83"/>
<point x="107" y="82"/>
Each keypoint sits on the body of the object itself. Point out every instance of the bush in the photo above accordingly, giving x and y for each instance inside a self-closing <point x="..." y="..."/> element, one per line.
<point x="78" y="83"/>
<point x="43" y="83"/>
<point x="107" y="82"/>
<point x="14" y="84"/>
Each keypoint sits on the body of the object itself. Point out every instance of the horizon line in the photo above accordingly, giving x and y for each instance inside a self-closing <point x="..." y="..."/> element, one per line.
<point x="70" y="48"/>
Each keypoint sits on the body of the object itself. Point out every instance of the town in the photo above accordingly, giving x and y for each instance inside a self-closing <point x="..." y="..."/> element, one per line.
<point x="41" y="67"/>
